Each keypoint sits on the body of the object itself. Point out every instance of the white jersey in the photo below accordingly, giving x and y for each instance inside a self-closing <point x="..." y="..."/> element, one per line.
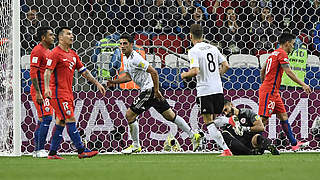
<point x="137" y="67"/>
<point x="207" y="58"/>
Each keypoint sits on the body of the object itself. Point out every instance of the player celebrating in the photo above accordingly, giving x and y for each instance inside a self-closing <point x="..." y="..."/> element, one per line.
<point x="38" y="63"/>
<point x="204" y="63"/>
<point x="270" y="101"/>
<point x="242" y="132"/>
<point x="63" y="61"/>
<point x="145" y="76"/>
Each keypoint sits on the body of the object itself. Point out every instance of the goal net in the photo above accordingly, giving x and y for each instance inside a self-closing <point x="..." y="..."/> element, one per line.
<point x="244" y="31"/>
<point x="10" y="128"/>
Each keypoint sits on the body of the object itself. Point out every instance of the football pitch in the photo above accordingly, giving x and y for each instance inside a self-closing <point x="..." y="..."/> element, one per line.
<point x="289" y="166"/>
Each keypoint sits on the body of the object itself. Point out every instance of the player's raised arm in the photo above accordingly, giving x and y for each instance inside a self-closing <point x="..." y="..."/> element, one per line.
<point x="294" y="78"/>
<point x="263" y="72"/>
<point x="86" y="74"/>
<point x="224" y="67"/>
<point x="191" y="73"/>
<point x="123" y="79"/>
<point x="47" y="75"/>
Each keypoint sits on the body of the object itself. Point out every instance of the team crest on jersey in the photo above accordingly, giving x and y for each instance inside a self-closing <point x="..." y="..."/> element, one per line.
<point x="270" y="111"/>
<point x="47" y="109"/>
<point x="141" y="64"/>
<point x="243" y="120"/>
<point x="68" y="112"/>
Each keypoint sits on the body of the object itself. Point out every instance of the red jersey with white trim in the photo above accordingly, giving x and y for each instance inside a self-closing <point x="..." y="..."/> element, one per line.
<point x="274" y="71"/>
<point x="38" y="61"/>
<point x="63" y="64"/>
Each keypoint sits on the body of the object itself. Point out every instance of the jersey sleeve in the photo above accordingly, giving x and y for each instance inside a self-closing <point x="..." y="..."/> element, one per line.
<point x="35" y="58"/>
<point x="52" y="61"/>
<point x="79" y="66"/>
<point x="283" y="58"/>
<point x="221" y="58"/>
<point x="252" y="116"/>
<point x="140" y="63"/>
<point x="193" y="58"/>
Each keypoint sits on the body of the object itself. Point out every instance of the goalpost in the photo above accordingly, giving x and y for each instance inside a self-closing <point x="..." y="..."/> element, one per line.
<point x="10" y="88"/>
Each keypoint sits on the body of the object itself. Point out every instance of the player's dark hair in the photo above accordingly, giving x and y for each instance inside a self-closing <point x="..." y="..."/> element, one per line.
<point x="42" y="31"/>
<point x="196" y="31"/>
<point x="127" y="37"/>
<point x="285" y="37"/>
<point x="60" y="30"/>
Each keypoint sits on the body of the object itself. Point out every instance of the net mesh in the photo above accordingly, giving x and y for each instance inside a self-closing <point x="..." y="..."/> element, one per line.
<point x="162" y="28"/>
<point x="6" y="95"/>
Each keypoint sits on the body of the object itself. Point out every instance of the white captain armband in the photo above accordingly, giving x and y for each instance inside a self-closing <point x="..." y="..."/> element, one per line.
<point x="81" y="70"/>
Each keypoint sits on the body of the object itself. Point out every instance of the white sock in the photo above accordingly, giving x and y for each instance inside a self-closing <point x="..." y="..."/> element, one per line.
<point x="217" y="136"/>
<point x="181" y="123"/>
<point x="134" y="132"/>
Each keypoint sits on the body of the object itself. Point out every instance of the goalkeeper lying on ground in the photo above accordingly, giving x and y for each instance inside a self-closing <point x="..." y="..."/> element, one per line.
<point x="242" y="130"/>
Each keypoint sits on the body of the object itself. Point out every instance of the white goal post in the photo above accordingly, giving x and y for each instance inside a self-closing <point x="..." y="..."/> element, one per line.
<point x="10" y="107"/>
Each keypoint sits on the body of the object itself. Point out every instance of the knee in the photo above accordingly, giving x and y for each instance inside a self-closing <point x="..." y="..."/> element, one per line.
<point x="130" y="116"/>
<point x="169" y="115"/>
<point x="254" y="141"/>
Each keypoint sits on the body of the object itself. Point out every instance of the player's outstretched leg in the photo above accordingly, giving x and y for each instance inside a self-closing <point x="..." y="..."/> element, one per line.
<point x="75" y="137"/>
<point x="55" y="142"/>
<point x="217" y="136"/>
<point x="134" y="132"/>
<point x="195" y="137"/>
<point x="182" y="124"/>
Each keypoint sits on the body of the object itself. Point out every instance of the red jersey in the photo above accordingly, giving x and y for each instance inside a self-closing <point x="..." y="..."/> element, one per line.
<point x="274" y="71"/>
<point x="38" y="61"/>
<point x="63" y="64"/>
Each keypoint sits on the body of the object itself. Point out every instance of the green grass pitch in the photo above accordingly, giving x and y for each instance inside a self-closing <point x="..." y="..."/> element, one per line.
<point x="291" y="166"/>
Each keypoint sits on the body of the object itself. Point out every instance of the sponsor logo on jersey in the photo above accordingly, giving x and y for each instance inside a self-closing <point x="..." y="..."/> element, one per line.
<point x="243" y="120"/>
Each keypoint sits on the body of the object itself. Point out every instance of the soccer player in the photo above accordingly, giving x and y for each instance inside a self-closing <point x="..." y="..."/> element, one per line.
<point x="63" y="61"/>
<point x="38" y="61"/>
<point x="204" y="64"/>
<point x="243" y="131"/>
<point x="136" y="68"/>
<point x="270" y="101"/>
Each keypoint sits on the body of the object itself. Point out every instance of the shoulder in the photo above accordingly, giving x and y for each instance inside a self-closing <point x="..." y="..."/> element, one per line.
<point x="38" y="49"/>
<point x="247" y="112"/>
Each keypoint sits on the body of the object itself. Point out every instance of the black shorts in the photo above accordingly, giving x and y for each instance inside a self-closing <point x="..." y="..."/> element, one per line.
<point x="211" y="104"/>
<point x="146" y="100"/>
